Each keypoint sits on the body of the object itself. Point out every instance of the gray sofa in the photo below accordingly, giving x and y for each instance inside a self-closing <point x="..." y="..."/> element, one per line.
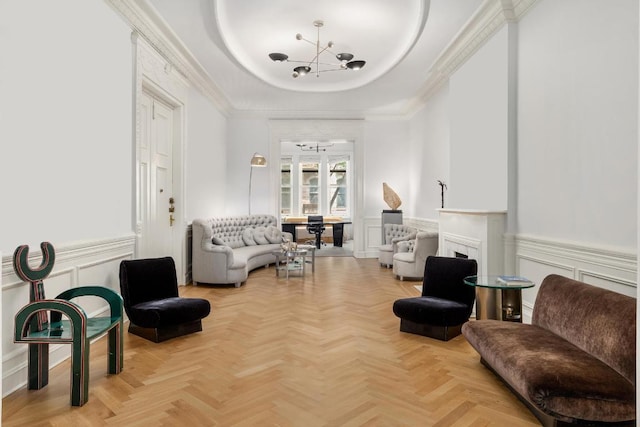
<point x="576" y="362"/>
<point x="225" y="250"/>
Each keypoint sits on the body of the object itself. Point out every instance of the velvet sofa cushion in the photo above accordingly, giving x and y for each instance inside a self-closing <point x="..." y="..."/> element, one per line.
<point x="596" y="320"/>
<point x="169" y="312"/>
<point x="552" y="373"/>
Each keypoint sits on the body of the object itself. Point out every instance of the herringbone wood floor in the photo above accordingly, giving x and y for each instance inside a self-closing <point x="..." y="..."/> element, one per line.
<point x="323" y="350"/>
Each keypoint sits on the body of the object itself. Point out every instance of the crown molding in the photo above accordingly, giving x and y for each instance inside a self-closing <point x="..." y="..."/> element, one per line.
<point x="490" y="17"/>
<point x="143" y="19"/>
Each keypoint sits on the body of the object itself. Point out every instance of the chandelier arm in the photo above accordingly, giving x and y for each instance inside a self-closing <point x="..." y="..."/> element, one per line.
<point x="333" y="69"/>
<point x="308" y="41"/>
<point x="330" y="64"/>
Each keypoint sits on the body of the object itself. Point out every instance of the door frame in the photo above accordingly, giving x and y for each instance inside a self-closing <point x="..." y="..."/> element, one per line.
<point x="321" y="130"/>
<point x="156" y="76"/>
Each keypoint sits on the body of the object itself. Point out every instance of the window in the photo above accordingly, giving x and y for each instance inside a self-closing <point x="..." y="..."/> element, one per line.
<point x="310" y="186"/>
<point x="338" y="185"/>
<point x="316" y="182"/>
<point x="285" y="186"/>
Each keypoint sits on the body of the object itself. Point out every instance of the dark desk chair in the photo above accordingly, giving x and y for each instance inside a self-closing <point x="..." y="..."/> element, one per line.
<point x="315" y="225"/>
<point x="446" y="301"/>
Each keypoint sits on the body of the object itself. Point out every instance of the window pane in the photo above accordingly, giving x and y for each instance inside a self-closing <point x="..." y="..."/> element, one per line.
<point x="338" y="184"/>
<point x="309" y="188"/>
<point x="285" y="185"/>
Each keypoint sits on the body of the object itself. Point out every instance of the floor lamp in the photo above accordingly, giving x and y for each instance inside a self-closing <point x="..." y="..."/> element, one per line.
<point x="257" y="161"/>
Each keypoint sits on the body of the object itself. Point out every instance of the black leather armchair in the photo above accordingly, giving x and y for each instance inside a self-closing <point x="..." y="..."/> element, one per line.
<point x="315" y="225"/>
<point x="446" y="302"/>
<point x="149" y="288"/>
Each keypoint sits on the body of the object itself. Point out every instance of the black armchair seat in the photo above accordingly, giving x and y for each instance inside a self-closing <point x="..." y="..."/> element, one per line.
<point x="149" y="289"/>
<point x="446" y="302"/>
<point x="169" y="311"/>
<point x="432" y="310"/>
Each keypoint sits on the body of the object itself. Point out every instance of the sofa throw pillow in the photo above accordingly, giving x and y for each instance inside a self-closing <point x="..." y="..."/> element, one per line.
<point x="247" y="237"/>
<point x="217" y="241"/>
<point x="258" y="236"/>
<point x="273" y="234"/>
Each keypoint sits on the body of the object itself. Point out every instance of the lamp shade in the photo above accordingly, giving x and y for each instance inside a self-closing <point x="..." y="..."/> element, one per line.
<point x="258" y="160"/>
<point x="355" y="65"/>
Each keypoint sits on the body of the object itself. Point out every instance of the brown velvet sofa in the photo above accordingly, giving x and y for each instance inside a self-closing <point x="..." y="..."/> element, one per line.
<point x="576" y="363"/>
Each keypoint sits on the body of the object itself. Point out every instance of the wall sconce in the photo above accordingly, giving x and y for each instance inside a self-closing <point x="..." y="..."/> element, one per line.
<point x="257" y="161"/>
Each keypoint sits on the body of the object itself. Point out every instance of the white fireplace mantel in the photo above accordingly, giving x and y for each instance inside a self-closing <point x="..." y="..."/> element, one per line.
<point x="476" y="234"/>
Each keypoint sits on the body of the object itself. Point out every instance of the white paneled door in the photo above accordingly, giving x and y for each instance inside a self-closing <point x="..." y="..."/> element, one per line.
<point x="155" y="192"/>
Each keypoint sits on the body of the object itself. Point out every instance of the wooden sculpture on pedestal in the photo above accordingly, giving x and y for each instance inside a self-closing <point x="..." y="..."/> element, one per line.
<point x="390" y="197"/>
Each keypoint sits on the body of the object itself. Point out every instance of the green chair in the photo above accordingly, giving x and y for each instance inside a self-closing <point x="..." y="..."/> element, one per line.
<point x="33" y="326"/>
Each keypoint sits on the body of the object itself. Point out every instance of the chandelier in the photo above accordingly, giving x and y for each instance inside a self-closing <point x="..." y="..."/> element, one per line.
<point x="317" y="147"/>
<point x="346" y="61"/>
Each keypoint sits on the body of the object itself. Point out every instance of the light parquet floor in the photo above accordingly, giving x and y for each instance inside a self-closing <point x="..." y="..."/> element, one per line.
<point x="323" y="350"/>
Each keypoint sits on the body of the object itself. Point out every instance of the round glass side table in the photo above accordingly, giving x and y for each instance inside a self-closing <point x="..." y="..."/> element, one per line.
<point x="498" y="297"/>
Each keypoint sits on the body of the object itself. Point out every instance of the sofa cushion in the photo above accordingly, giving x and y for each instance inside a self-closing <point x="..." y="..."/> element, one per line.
<point x="258" y="236"/>
<point x="553" y="374"/>
<point x="247" y="237"/>
<point x="598" y="321"/>
<point x="273" y="234"/>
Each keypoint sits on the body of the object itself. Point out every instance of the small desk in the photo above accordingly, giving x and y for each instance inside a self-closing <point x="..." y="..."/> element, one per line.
<point x="338" y="229"/>
<point x="293" y="261"/>
<point x="495" y="300"/>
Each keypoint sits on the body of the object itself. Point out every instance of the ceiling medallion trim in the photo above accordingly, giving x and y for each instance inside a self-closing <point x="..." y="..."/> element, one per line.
<point x="239" y="44"/>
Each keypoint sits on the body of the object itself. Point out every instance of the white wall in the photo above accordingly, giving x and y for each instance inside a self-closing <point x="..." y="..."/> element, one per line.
<point x="66" y="154"/>
<point x="578" y="144"/>
<point x="429" y="156"/>
<point x="479" y="117"/>
<point x="206" y="159"/>
<point x="386" y="148"/>
<point x="577" y="122"/>
<point x="381" y="164"/>
<point x="245" y="137"/>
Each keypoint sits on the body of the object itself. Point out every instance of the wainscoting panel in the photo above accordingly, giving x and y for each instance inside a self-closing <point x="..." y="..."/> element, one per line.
<point x="86" y="263"/>
<point x="372" y="237"/>
<point x="536" y="257"/>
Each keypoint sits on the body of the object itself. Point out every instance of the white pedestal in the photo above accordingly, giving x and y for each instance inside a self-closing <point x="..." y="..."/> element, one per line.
<point x="390" y="217"/>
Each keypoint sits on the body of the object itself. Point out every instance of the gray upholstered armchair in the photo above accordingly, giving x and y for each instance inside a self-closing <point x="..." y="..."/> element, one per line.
<point x="412" y="255"/>
<point x="393" y="234"/>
